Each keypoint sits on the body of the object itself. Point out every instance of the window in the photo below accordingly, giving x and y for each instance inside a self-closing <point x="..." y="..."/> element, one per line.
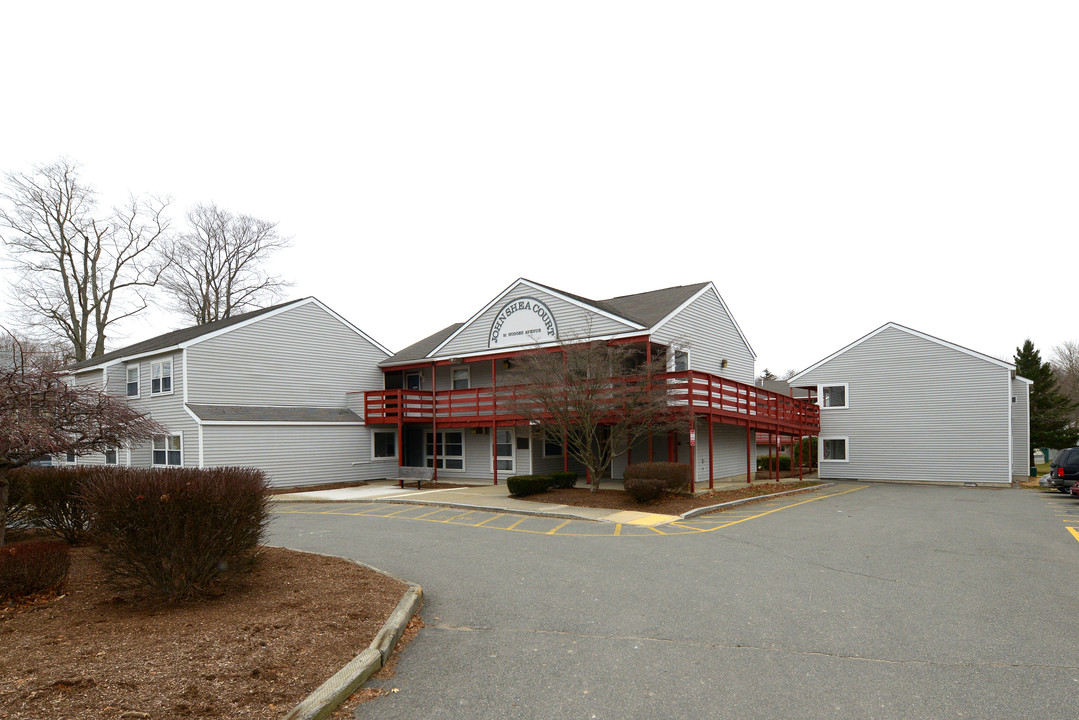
<point x="168" y="450"/>
<point x="504" y="449"/>
<point x="461" y="378"/>
<point x="133" y="380"/>
<point x="413" y="381"/>
<point x="552" y="448"/>
<point x="69" y="458"/>
<point x="833" y="449"/>
<point x="385" y="445"/>
<point x="833" y="397"/>
<point x="110" y="456"/>
<point x="161" y="377"/>
<point x="450" y="447"/>
<point x="678" y="360"/>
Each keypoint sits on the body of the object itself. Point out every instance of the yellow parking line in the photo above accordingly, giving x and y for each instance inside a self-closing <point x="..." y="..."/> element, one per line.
<point x="617" y="529"/>
<point x="1074" y="531"/>
<point x="557" y="528"/>
<point x="517" y="523"/>
<point x="484" y="522"/>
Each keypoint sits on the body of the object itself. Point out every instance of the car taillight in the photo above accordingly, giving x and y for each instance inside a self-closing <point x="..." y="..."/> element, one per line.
<point x="1060" y="472"/>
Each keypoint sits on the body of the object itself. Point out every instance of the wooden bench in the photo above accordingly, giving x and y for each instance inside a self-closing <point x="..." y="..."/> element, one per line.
<point x="417" y="474"/>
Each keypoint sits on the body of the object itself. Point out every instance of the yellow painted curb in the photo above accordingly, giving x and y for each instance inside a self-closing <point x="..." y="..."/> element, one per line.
<point x="634" y="517"/>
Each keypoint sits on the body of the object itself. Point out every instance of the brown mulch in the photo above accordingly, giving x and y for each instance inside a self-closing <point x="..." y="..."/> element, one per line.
<point x="665" y="504"/>
<point x="255" y="651"/>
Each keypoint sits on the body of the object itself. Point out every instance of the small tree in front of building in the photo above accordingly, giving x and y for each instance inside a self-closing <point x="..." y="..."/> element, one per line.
<point x="41" y="413"/>
<point x="1050" y="411"/>
<point x="599" y="399"/>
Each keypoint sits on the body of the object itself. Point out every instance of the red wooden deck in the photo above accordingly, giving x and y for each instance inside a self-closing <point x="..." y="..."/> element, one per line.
<point x="691" y="393"/>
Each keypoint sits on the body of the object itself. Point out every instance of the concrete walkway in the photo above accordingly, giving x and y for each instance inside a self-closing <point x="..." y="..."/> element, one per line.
<point x="492" y="498"/>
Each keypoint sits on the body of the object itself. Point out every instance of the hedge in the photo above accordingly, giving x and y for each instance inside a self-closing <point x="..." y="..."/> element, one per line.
<point x="32" y="567"/>
<point x="562" y="480"/>
<point x="524" y="485"/>
<point x="644" y="489"/>
<point x="676" y="477"/>
<point x="52" y="499"/>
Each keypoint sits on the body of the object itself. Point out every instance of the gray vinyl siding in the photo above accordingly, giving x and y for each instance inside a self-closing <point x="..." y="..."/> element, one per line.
<point x="300" y="356"/>
<point x="297" y="455"/>
<point x="918" y="411"/>
<point x="1020" y="431"/>
<point x="710" y="335"/>
<point x="166" y="409"/>
<point x="572" y="320"/>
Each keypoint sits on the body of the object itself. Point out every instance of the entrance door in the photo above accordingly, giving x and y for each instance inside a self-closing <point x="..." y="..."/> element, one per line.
<point x="505" y="445"/>
<point x="414" y="447"/>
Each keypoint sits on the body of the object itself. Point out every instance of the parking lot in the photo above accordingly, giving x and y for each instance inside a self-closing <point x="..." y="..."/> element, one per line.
<point x="859" y="601"/>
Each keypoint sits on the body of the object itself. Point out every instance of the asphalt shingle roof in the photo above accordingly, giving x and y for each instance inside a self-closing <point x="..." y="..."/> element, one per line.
<point x="247" y="413"/>
<point x="646" y="309"/>
<point x="176" y="337"/>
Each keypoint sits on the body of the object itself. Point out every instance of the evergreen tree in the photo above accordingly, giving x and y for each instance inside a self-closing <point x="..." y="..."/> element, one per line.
<point x="1050" y="411"/>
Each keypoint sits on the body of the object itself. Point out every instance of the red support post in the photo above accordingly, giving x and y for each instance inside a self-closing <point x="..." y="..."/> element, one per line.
<point x="434" y="422"/>
<point x="693" y="451"/>
<point x="494" y="425"/>
<point x="749" y="454"/>
<point x="711" y="453"/>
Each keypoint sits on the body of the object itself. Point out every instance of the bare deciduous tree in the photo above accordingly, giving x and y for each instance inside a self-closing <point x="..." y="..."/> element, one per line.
<point x="218" y="268"/>
<point x="41" y="413"/>
<point x="1065" y="363"/>
<point x="600" y="399"/>
<point x="81" y="270"/>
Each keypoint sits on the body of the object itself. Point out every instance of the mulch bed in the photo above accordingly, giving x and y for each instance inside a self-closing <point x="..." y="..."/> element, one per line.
<point x="665" y="504"/>
<point x="255" y="651"/>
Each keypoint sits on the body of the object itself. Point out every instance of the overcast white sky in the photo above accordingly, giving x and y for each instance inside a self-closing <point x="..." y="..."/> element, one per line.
<point x="831" y="166"/>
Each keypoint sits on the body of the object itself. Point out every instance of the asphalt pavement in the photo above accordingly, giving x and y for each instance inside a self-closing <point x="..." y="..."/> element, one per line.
<point x="854" y="601"/>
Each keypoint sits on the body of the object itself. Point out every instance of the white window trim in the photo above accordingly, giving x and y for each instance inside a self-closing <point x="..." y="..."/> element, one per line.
<point x="407" y="375"/>
<point x="385" y="432"/>
<point x="105" y="457"/>
<point x="513" y="444"/>
<point x="672" y="351"/>
<point x="561" y="449"/>
<point x="137" y="367"/>
<point x="453" y="371"/>
<point x="846" y="446"/>
<point x="172" y="377"/>
<point x="442" y="457"/>
<point x="64" y="460"/>
<point x="166" y="463"/>
<point x="846" y="396"/>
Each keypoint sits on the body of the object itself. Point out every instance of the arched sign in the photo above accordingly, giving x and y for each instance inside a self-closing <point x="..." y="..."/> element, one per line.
<point x="521" y="321"/>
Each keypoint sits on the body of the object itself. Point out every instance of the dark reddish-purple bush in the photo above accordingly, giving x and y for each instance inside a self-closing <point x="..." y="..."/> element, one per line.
<point x="52" y="499"/>
<point x="32" y="567"/>
<point x="644" y="489"/>
<point x="676" y="477"/>
<point x="178" y="532"/>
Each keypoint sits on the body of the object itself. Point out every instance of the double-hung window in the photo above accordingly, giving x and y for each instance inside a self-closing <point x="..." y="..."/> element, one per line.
<point x="450" y="448"/>
<point x="133" y="380"/>
<point x="168" y="450"/>
<point x="161" y="377"/>
<point x="111" y="456"/>
<point x="461" y="378"/>
<point x="385" y="445"/>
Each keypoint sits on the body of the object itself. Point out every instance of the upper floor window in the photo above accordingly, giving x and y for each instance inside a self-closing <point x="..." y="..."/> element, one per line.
<point x="678" y="361"/>
<point x="161" y="377"/>
<point x="834" y="396"/>
<point x="133" y="380"/>
<point x="461" y="378"/>
<point x="69" y="457"/>
<point x="111" y="456"/>
<point x="413" y="381"/>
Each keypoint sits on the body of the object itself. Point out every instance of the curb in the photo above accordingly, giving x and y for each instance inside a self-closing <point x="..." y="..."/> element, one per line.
<point x="325" y="699"/>
<point x="711" y="508"/>
<point x="485" y="508"/>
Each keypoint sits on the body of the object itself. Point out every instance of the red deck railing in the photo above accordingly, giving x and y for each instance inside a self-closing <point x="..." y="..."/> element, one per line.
<point x="727" y="401"/>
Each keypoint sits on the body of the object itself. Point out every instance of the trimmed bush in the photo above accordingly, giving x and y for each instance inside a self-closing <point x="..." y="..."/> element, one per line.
<point x="645" y="489"/>
<point x="18" y="504"/>
<point x="524" y="485"/>
<point x="52" y="498"/>
<point x="32" y="567"/>
<point x="676" y="477"/>
<point x="562" y="480"/>
<point x="784" y="463"/>
<point x="178" y="532"/>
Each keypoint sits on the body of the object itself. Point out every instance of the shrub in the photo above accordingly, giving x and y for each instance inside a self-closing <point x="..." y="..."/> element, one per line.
<point x="522" y="485"/>
<point x="645" y="489"/>
<point x="32" y="567"/>
<point x="18" y="504"/>
<point x="784" y="463"/>
<point x="53" y="499"/>
<point x="175" y="531"/>
<point x="562" y="480"/>
<point x="676" y="477"/>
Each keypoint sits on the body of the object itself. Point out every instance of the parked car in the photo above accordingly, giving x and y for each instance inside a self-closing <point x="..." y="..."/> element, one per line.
<point x="1064" y="470"/>
<point x="1075" y="490"/>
